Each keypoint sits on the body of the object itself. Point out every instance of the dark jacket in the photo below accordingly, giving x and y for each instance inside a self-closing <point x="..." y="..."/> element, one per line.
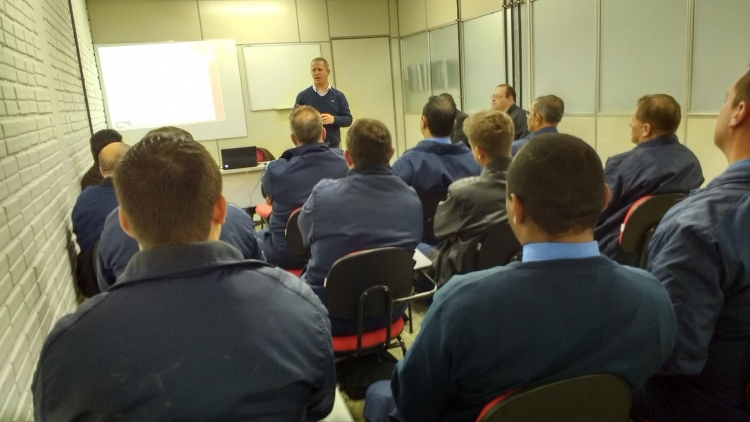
<point x="333" y="103"/>
<point x="190" y="332"/>
<point x="472" y="207"/>
<point x="289" y="181"/>
<point x="430" y="167"/>
<point x="89" y="212"/>
<point x="458" y="134"/>
<point x="518" y="115"/>
<point x="661" y="165"/>
<point x="701" y="253"/>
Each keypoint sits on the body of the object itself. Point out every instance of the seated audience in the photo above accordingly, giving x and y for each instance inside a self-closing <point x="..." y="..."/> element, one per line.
<point x="457" y="135"/>
<point x="544" y="116"/>
<point x="89" y="212"/>
<point x="435" y="163"/>
<point x="701" y="253"/>
<point x="98" y="141"/>
<point x="369" y="208"/>
<point x="184" y="334"/>
<point x="564" y="312"/>
<point x="289" y="180"/>
<point x="658" y="164"/>
<point x="116" y="247"/>
<point x="474" y="204"/>
<point x="504" y="99"/>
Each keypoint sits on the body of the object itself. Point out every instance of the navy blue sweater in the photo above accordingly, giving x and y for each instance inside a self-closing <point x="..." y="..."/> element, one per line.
<point x="333" y="103"/>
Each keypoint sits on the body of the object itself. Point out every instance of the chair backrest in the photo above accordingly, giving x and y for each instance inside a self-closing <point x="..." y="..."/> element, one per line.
<point x="498" y="247"/>
<point x="293" y="236"/>
<point x="644" y="215"/>
<point x="353" y="274"/>
<point x="263" y="155"/>
<point x="430" y="202"/>
<point x="591" y="398"/>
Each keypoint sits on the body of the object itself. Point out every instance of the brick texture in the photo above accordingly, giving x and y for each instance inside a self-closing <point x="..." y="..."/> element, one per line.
<point x="44" y="150"/>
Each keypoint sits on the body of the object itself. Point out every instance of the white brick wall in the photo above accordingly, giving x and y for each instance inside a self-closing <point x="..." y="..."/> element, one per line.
<point x="44" y="150"/>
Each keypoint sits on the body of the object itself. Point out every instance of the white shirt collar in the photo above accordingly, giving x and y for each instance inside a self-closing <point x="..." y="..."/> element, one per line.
<point x="324" y="92"/>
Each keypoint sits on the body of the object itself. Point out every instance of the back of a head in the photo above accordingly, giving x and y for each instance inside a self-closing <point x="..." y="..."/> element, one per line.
<point x="661" y="111"/>
<point x="560" y="180"/>
<point x="306" y="125"/>
<point x="440" y="115"/>
<point x="551" y="108"/>
<point x="742" y="90"/>
<point x="368" y="141"/>
<point x="493" y="131"/>
<point x="167" y="185"/>
<point x="111" y="155"/>
<point x="101" y="139"/>
<point x="449" y="97"/>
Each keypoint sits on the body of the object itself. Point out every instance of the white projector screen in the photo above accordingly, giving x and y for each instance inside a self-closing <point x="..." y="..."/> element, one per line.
<point x="192" y="85"/>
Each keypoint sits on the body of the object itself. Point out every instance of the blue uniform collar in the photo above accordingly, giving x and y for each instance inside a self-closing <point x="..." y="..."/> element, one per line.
<point x="659" y="141"/>
<point x="166" y="261"/>
<point x="371" y="170"/>
<point x="305" y="149"/>
<point x="441" y="148"/>
<point x="740" y="165"/>
<point x="439" y="140"/>
<point x="542" y="131"/>
<point x="547" y="251"/>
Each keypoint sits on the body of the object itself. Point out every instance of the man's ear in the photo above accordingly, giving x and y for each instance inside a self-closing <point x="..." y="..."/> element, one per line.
<point x="742" y="114"/>
<point x="519" y="210"/>
<point x="648" y="130"/>
<point x="323" y="135"/>
<point x="124" y="222"/>
<point x="219" y="213"/>
<point x="294" y="139"/>
<point x="390" y="154"/>
<point x="607" y="196"/>
<point x="348" y="158"/>
<point x="423" y="123"/>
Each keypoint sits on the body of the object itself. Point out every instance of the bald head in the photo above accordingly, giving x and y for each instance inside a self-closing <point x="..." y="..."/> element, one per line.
<point x="306" y="125"/>
<point x="110" y="156"/>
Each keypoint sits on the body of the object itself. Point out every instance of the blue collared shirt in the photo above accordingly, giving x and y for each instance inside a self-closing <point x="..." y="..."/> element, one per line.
<point x="742" y="164"/>
<point x="440" y="140"/>
<point x="551" y="250"/>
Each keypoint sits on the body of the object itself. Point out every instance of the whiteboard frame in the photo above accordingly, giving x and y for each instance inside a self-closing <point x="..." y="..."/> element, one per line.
<point x="233" y="125"/>
<point x="286" y="104"/>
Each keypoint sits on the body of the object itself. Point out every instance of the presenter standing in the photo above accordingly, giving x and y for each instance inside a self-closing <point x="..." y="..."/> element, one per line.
<point x="330" y="102"/>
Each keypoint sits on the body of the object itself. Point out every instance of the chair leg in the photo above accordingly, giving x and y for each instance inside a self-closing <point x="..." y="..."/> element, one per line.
<point x="411" y="326"/>
<point x="401" y="343"/>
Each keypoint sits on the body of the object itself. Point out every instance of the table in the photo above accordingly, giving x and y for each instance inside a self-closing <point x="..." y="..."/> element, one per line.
<point x="241" y="187"/>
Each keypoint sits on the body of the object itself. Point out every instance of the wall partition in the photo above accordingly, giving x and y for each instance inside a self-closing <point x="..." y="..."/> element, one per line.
<point x="484" y="59"/>
<point x="415" y="71"/>
<point x="445" y="69"/>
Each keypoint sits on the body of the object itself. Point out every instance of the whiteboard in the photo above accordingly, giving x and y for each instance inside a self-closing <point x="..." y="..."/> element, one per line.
<point x="277" y="73"/>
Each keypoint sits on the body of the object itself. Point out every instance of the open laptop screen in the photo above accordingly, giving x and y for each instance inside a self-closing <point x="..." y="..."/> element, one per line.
<point x="237" y="158"/>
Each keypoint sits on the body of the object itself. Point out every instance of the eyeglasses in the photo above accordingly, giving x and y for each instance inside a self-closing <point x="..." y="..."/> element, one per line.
<point x="497" y="97"/>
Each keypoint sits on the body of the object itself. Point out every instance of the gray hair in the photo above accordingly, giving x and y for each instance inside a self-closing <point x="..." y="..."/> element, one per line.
<point x="306" y="124"/>
<point x="551" y="108"/>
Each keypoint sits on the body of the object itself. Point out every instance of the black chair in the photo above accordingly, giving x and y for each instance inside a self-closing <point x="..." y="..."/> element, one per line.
<point x="294" y="241"/>
<point x="591" y="398"/>
<point x="430" y="202"/>
<point x="369" y="284"/>
<point x="498" y="247"/>
<point x="641" y="221"/>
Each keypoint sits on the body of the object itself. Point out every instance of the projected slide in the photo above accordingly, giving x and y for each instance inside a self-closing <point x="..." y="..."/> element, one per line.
<point x="161" y="84"/>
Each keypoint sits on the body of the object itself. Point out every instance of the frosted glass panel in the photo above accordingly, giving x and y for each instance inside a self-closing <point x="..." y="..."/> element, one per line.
<point x="415" y="72"/>
<point x="484" y="62"/>
<point x="444" y="65"/>
<point x="567" y="72"/>
<point x="715" y="65"/>
<point x="643" y="51"/>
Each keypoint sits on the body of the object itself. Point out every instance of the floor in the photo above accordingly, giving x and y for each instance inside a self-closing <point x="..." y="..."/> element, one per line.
<point x="418" y="311"/>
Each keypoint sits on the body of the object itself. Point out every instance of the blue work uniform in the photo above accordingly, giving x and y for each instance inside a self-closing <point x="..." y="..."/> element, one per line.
<point x="521" y="142"/>
<point x="89" y="212"/>
<point x="435" y="163"/>
<point x="701" y="253"/>
<point x="190" y="332"/>
<point x="369" y="208"/>
<point x="116" y="247"/>
<point x="661" y="165"/>
<point x="289" y="181"/>
<point x="332" y="102"/>
<point x="562" y="313"/>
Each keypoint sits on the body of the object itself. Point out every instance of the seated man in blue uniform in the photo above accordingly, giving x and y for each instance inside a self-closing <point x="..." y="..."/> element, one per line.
<point x="369" y="208"/>
<point x="184" y="334"/>
<point x="544" y="116"/>
<point x="98" y="141"/>
<point x="89" y="213"/>
<point x="474" y="204"/>
<point x="658" y="164"/>
<point x="116" y="247"/>
<point x="701" y="253"/>
<point x="289" y="180"/>
<point x="564" y="312"/>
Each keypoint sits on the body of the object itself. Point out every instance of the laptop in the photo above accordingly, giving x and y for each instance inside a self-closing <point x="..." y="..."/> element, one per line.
<point x="238" y="158"/>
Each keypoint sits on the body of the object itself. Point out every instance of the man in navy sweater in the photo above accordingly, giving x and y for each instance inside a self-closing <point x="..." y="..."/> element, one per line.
<point x="562" y="313"/>
<point x="544" y="116"/>
<point x="330" y="102"/>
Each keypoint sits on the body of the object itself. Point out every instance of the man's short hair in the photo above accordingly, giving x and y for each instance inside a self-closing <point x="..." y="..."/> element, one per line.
<point x="509" y="91"/>
<point x="306" y="124"/>
<point x="369" y="143"/>
<point x="320" y="59"/>
<point x="560" y="180"/>
<point x="550" y="107"/>
<point x="101" y="139"/>
<point x="111" y="155"/>
<point x="449" y="97"/>
<point x="661" y="111"/>
<point x="440" y="115"/>
<point x="493" y="131"/>
<point x="167" y="185"/>
<point x="742" y="90"/>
